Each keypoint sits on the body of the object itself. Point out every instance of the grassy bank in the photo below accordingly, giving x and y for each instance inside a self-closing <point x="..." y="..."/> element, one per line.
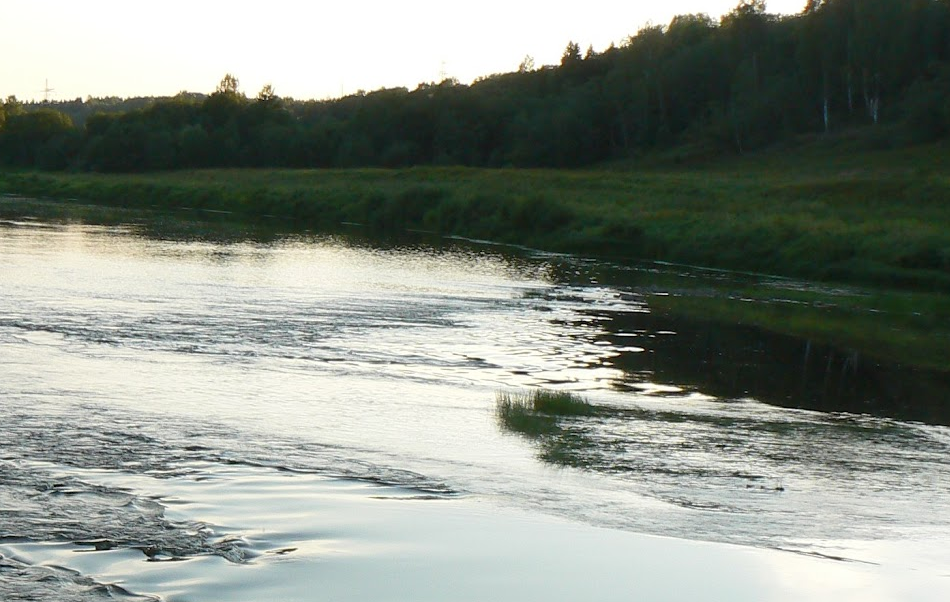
<point x="870" y="217"/>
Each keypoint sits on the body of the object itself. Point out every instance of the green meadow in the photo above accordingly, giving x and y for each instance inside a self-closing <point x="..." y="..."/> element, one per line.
<point x="880" y="218"/>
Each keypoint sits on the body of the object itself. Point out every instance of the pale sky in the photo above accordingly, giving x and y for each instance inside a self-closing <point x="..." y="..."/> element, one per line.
<point x="304" y="49"/>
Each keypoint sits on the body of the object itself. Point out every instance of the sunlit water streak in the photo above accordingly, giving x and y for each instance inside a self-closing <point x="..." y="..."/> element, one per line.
<point x="146" y="356"/>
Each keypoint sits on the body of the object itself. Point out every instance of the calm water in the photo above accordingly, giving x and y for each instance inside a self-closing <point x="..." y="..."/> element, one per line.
<point x="142" y="356"/>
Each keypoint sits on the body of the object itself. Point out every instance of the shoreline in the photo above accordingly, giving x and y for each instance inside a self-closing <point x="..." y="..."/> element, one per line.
<point x="872" y="218"/>
<point x="896" y="326"/>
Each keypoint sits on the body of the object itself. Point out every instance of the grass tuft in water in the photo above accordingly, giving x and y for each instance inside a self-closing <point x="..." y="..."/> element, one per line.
<point x="559" y="403"/>
<point x="535" y="413"/>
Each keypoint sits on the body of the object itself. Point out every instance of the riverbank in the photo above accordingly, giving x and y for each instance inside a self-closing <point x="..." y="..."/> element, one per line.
<point x="877" y="218"/>
<point x="908" y="328"/>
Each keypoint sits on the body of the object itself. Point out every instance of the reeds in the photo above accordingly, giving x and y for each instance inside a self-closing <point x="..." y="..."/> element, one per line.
<point x="535" y="413"/>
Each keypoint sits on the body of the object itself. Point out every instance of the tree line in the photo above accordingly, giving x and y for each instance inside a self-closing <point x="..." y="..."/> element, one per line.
<point x="741" y="82"/>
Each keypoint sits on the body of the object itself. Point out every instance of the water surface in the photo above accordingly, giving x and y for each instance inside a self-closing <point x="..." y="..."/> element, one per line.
<point x="130" y="360"/>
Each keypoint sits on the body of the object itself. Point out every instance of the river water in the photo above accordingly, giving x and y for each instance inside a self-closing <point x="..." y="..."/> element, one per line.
<point x="134" y="365"/>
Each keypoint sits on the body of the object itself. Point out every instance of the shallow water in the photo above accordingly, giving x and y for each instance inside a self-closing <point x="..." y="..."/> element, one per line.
<point x="132" y="367"/>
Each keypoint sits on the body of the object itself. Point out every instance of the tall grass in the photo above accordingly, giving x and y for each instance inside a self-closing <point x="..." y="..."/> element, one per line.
<point x="870" y="217"/>
<point x="536" y="412"/>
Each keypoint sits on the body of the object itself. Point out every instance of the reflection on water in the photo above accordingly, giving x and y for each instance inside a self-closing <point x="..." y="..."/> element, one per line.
<point x="149" y="354"/>
<point x="735" y="362"/>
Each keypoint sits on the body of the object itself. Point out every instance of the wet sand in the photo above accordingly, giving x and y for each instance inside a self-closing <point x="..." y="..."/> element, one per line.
<point x="308" y="537"/>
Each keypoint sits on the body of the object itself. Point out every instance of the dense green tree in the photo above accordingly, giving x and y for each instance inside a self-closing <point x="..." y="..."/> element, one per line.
<point x="229" y="85"/>
<point x="41" y="138"/>
<point x="735" y="83"/>
<point x="927" y="105"/>
<point x="572" y="54"/>
<point x="527" y="64"/>
<point x="223" y="106"/>
<point x="194" y="146"/>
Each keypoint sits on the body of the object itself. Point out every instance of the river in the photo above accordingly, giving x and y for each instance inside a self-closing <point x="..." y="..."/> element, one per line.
<point x="135" y="366"/>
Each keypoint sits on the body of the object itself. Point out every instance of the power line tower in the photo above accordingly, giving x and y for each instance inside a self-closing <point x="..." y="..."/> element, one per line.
<point x="46" y="90"/>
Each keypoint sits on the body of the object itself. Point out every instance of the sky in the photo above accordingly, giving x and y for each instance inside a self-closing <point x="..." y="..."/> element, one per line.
<point x="305" y="50"/>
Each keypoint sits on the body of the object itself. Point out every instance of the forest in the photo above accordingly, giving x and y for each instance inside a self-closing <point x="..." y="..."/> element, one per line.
<point x="746" y="81"/>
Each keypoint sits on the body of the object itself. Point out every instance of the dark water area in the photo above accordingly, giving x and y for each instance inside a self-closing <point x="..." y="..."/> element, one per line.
<point x="146" y="369"/>
<point x="733" y="361"/>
